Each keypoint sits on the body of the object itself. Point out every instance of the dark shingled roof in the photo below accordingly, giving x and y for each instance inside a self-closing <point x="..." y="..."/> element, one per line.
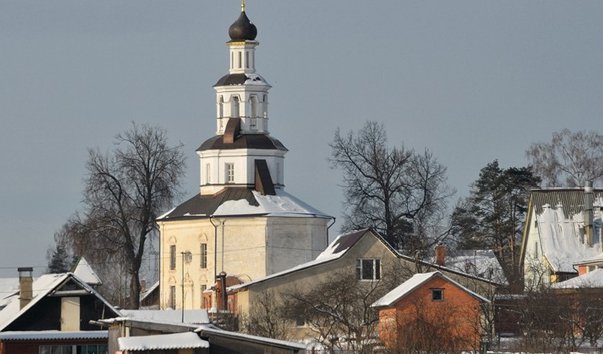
<point x="232" y="79"/>
<point x="237" y="79"/>
<point x="246" y="141"/>
<point x="206" y="205"/>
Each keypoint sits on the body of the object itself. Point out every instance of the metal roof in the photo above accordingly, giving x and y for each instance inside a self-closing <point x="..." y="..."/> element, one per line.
<point x="52" y="335"/>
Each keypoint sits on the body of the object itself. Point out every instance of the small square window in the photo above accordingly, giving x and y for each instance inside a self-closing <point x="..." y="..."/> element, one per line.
<point x="437" y="294"/>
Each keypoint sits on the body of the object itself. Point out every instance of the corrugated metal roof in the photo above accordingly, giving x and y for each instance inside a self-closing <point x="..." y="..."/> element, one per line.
<point x="187" y="340"/>
<point x="53" y="335"/>
<point x="572" y="199"/>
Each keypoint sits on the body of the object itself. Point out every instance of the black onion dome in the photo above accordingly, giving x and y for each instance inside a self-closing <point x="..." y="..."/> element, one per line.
<point x="242" y="29"/>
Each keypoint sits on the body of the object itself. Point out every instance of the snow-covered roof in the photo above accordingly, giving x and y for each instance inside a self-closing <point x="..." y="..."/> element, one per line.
<point x="53" y="335"/>
<point x="209" y="329"/>
<point x="561" y="239"/>
<point x="238" y="201"/>
<point x="187" y="340"/>
<point x="281" y="204"/>
<point x="8" y="287"/>
<point x="334" y="251"/>
<point x="593" y="279"/>
<point x="167" y="316"/>
<point x="480" y="263"/>
<point x="42" y="287"/>
<point x="84" y="272"/>
<point x="593" y="260"/>
<point x="413" y="283"/>
<point x="149" y="291"/>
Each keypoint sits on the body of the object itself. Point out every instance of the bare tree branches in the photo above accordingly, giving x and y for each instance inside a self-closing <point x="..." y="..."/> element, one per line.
<point x="396" y="191"/>
<point x="570" y="158"/>
<point x="124" y="192"/>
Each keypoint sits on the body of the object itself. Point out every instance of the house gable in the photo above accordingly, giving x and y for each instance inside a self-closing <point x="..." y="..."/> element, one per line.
<point x="45" y="310"/>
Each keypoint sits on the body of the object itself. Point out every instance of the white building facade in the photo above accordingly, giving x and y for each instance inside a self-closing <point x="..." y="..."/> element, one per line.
<point x="242" y="222"/>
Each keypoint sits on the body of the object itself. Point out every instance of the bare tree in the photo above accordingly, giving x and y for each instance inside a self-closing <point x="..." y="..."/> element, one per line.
<point x="570" y="158"/>
<point x="337" y="309"/>
<point x="267" y="317"/>
<point x="125" y="190"/>
<point x="397" y="191"/>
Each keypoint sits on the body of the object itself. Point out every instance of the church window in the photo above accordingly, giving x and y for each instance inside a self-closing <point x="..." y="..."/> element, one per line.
<point x="172" y="298"/>
<point x="232" y="60"/>
<point x="240" y="59"/>
<point x="247" y="60"/>
<point x="221" y="107"/>
<point x="368" y="269"/>
<point x="279" y="173"/>
<point x="204" y="255"/>
<point x="254" y="106"/>
<point x="229" y="167"/>
<point x="207" y="173"/>
<point x="172" y="257"/>
<point x="235" y="107"/>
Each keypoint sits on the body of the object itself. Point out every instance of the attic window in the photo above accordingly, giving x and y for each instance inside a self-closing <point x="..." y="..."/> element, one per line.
<point x="437" y="294"/>
<point x="368" y="269"/>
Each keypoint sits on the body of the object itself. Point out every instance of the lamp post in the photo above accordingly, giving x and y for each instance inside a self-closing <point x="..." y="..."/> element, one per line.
<point x="186" y="258"/>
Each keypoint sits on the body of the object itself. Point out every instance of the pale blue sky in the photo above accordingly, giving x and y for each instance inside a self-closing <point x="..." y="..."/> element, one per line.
<point x="471" y="80"/>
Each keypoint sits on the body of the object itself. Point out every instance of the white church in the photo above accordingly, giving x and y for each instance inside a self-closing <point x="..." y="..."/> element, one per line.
<point x="242" y="222"/>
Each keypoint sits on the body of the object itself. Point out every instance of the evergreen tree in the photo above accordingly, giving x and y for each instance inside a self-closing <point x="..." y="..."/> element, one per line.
<point x="58" y="261"/>
<point x="493" y="214"/>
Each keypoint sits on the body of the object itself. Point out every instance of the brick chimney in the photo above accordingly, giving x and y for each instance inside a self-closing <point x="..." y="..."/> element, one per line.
<point x="588" y="213"/>
<point x="25" y="286"/>
<point x="221" y="296"/>
<point x="440" y="254"/>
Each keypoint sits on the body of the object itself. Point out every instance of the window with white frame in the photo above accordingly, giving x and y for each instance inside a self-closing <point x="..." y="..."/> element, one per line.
<point x="229" y="172"/>
<point x="368" y="269"/>
<point x="207" y="173"/>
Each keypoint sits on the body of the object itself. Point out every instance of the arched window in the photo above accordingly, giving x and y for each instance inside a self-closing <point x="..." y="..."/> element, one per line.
<point x="234" y="109"/>
<point x="221" y="107"/>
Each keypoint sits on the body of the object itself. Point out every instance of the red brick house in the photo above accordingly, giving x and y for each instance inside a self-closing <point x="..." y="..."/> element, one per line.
<point x="430" y="311"/>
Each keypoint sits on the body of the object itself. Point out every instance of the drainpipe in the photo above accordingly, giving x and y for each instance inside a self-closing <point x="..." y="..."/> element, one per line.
<point x="588" y="212"/>
<point x="211" y="220"/>
<point x="333" y="219"/>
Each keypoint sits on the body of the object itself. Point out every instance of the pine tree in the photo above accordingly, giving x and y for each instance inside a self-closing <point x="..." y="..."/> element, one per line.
<point x="59" y="260"/>
<point x="493" y="214"/>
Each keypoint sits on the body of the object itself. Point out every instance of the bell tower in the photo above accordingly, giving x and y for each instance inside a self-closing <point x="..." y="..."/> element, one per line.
<point x="242" y="153"/>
